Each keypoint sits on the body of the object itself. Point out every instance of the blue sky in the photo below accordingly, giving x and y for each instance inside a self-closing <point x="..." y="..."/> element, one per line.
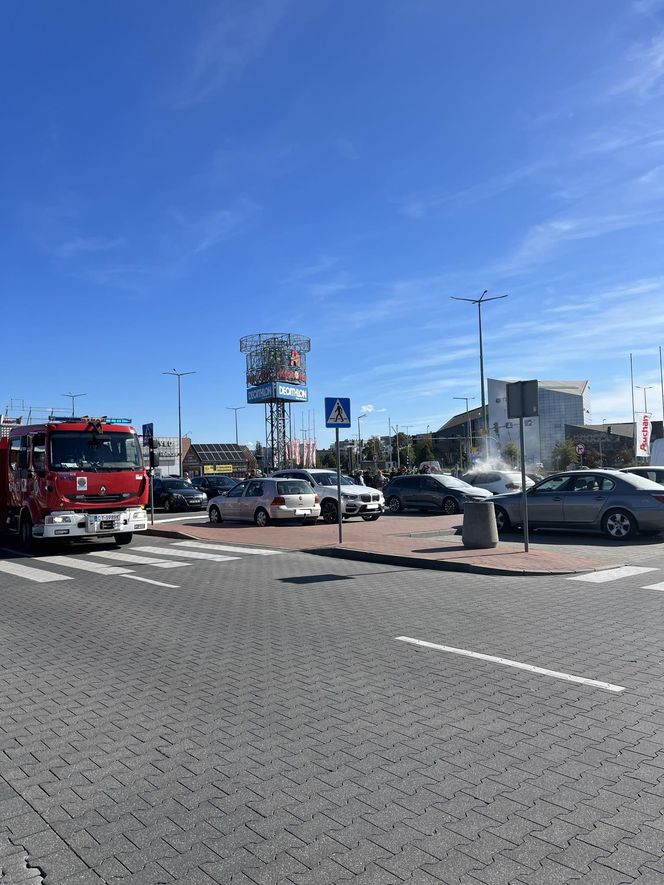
<point x="176" y="176"/>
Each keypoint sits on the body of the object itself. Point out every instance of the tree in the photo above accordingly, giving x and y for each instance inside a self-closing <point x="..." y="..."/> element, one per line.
<point x="564" y="453"/>
<point x="400" y="441"/>
<point x="328" y="459"/>
<point x="511" y="453"/>
<point x="373" y="449"/>
<point x="424" y="449"/>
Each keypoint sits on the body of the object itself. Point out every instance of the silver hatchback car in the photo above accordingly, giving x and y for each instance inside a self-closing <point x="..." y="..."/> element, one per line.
<point x="267" y="500"/>
<point x="618" y="504"/>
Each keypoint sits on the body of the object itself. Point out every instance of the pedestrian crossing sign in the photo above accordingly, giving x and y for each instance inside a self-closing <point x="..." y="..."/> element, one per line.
<point x="337" y="411"/>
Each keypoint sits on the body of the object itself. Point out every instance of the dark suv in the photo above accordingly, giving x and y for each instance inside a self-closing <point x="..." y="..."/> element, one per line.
<point x="213" y="485"/>
<point x="432" y="491"/>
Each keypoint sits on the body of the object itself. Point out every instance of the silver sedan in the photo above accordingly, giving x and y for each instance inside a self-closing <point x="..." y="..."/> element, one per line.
<point x="618" y="504"/>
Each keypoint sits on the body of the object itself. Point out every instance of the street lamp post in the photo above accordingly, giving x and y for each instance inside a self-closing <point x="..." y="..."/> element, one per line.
<point x="179" y="375"/>
<point x="235" y="409"/>
<point x="73" y="397"/>
<point x="359" y="441"/>
<point x="645" y="395"/>
<point x="479" y="302"/>
<point x="409" y="456"/>
<point x="469" y="439"/>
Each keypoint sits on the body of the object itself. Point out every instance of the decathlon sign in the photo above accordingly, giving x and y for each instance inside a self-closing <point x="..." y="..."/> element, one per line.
<point x="277" y="390"/>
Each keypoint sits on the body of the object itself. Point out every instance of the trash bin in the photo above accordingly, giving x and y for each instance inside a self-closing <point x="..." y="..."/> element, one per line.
<point x="479" y="525"/>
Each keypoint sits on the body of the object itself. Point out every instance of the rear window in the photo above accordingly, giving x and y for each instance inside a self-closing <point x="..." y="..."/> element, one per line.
<point x="640" y="482"/>
<point x="293" y="487"/>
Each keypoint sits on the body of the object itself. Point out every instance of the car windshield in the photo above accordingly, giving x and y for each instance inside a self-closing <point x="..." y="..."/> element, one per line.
<point x="176" y="484"/>
<point x="450" y="482"/>
<point x="330" y="479"/>
<point x="86" y="450"/>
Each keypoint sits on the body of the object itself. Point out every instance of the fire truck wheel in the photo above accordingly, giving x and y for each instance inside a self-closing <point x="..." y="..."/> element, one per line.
<point x="123" y="538"/>
<point x="25" y="531"/>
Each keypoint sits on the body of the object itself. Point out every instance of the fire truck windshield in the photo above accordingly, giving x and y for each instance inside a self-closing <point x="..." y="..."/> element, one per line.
<point x="85" y="450"/>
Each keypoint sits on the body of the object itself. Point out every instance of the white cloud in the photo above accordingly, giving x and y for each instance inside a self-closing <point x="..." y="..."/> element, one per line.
<point x="236" y="37"/>
<point x="77" y="246"/>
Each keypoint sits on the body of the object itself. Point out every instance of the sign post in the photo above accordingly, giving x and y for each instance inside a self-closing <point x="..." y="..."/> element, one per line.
<point x="523" y="402"/>
<point x="148" y="439"/>
<point x="579" y="448"/>
<point x="337" y="414"/>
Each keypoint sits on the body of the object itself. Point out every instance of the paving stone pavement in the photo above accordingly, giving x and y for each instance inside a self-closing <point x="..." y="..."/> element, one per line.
<point x="248" y="727"/>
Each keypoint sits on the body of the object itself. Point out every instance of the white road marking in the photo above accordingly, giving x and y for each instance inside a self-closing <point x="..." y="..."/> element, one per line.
<point x="190" y="554"/>
<point x="227" y="548"/>
<point x="32" y="574"/>
<point x="182" y="518"/>
<point x="79" y="562"/>
<point x="136" y="559"/>
<point x="659" y="586"/>
<point x="150" y="581"/>
<point x="608" y="686"/>
<point x="611" y="574"/>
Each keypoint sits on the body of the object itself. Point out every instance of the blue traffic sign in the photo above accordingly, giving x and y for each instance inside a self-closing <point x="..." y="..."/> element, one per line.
<point x="337" y="411"/>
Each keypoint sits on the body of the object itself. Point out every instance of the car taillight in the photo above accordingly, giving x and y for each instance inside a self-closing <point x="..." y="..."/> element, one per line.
<point x="278" y="500"/>
<point x="317" y="499"/>
<point x="512" y="485"/>
<point x="660" y="498"/>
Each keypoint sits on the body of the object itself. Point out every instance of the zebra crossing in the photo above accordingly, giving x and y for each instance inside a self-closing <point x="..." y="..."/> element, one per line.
<point x="124" y="563"/>
<point x="621" y="573"/>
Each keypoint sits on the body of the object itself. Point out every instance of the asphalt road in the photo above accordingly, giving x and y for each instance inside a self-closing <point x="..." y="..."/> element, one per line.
<point x="254" y="719"/>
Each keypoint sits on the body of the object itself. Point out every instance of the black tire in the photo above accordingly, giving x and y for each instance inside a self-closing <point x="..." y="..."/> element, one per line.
<point x="123" y="538"/>
<point x="312" y="521"/>
<point x="450" y="506"/>
<point x="215" y="515"/>
<point x="262" y="517"/>
<point x="618" y="525"/>
<point x="25" y="532"/>
<point x="330" y="512"/>
<point x="503" y="522"/>
<point x="370" y="517"/>
<point x="168" y="506"/>
<point x="394" y="504"/>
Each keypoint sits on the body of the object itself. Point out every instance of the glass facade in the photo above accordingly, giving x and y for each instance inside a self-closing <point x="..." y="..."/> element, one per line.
<point x="560" y="403"/>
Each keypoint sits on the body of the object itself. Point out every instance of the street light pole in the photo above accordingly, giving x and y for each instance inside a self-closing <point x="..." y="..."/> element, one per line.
<point x="469" y="438"/>
<point x="73" y="396"/>
<point x="479" y="302"/>
<point x="235" y="409"/>
<point x="179" y="375"/>
<point x="359" y="441"/>
<point x="645" y="395"/>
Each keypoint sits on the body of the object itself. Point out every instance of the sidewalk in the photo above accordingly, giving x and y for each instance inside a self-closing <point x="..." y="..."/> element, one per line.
<point x="427" y="541"/>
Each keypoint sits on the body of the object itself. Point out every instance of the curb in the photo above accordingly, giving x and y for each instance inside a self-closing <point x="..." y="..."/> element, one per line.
<point x="441" y="565"/>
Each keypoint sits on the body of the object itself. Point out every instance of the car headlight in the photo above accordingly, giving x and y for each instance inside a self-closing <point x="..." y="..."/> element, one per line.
<point x="57" y="520"/>
<point x="349" y="497"/>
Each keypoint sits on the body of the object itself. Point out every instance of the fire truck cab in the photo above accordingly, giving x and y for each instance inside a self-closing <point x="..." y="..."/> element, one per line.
<point x="73" y="478"/>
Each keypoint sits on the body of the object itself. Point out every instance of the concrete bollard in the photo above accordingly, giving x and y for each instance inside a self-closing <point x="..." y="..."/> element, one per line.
<point x="479" y="525"/>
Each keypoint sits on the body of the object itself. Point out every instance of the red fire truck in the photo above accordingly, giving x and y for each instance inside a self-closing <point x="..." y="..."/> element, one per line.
<point x="73" y="478"/>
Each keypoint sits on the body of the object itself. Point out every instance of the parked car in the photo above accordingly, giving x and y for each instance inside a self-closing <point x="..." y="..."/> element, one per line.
<point x="655" y="474"/>
<point x="497" y="481"/>
<point x="173" y="493"/>
<point x="355" y="500"/>
<point x="435" y="491"/>
<point x="213" y="485"/>
<point x="266" y="500"/>
<point x="618" y="504"/>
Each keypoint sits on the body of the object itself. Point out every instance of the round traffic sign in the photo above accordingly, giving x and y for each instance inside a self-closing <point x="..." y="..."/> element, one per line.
<point x="579" y="448"/>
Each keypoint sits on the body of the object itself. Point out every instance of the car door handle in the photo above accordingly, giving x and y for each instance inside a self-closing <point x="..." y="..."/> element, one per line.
<point x="600" y="497"/>
<point x="556" y="498"/>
